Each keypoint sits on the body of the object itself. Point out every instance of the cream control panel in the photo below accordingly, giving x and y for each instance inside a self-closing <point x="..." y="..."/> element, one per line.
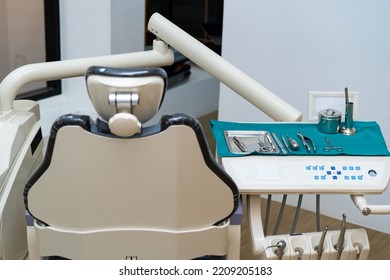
<point x="309" y="174"/>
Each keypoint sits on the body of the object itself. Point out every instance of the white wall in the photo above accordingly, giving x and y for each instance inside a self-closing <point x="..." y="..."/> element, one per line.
<point x="127" y="26"/>
<point x="293" y="47"/>
<point x="21" y="44"/>
<point x="4" y="63"/>
<point x="26" y="43"/>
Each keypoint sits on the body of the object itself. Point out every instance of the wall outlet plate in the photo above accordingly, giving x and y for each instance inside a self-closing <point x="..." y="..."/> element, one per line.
<point x="320" y="100"/>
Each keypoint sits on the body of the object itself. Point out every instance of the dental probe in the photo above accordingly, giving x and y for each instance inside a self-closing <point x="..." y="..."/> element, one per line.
<point x="340" y="242"/>
<point x="285" y="144"/>
<point x="279" y="143"/>
<point x="320" y="247"/>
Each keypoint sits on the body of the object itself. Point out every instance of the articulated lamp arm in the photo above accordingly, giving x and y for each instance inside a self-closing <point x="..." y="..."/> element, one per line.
<point x="367" y="209"/>
<point x="161" y="55"/>
<point x="222" y="70"/>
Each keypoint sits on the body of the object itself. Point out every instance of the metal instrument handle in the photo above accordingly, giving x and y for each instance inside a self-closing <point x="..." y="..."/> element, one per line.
<point x="320" y="247"/>
<point x="340" y="242"/>
<point x="279" y="143"/>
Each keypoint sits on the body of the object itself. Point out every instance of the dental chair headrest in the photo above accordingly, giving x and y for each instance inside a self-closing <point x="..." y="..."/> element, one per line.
<point x="126" y="98"/>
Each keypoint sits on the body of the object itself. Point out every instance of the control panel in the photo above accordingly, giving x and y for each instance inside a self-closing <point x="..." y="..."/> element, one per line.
<point x="340" y="172"/>
<point x="309" y="174"/>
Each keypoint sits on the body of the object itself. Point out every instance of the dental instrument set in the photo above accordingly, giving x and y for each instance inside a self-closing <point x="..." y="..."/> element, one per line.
<point x="246" y="142"/>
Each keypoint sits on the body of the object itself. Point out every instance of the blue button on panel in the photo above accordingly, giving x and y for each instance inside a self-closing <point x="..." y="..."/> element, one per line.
<point x="334" y="177"/>
<point x="345" y="168"/>
<point x="351" y="168"/>
<point x="338" y="172"/>
<point x="316" y="177"/>
<point x="315" y="167"/>
<point x="329" y="172"/>
<point x="308" y="167"/>
<point x="323" y="177"/>
<point x="360" y="177"/>
<point x="332" y="168"/>
<point x="353" y="177"/>
<point x="357" y="167"/>
<point x="322" y="167"/>
<point x="346" y="177"/>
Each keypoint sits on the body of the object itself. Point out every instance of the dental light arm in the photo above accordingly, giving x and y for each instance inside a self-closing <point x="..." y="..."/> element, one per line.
<point x="222" y="70"/>
<point x="161" y="55"/>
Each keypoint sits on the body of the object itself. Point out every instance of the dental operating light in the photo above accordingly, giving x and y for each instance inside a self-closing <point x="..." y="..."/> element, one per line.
<point x="165" y="30"/>
<point x="222" y="70"/>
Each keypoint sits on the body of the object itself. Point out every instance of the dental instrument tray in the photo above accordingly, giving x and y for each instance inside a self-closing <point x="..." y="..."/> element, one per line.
<point x="248" y="141"/>
<point x="358" y="164"/>
<point x="242" y="139"/>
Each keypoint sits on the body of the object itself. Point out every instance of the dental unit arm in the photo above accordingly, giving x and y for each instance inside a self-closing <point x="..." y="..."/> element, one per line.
<point x="367" y="209"/>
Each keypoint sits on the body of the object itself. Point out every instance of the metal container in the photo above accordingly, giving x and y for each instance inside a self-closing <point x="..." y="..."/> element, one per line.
<point x="329" y="121"/>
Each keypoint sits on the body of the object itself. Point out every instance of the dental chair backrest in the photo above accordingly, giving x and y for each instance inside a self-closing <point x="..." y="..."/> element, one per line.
<point x="147" y="193"/>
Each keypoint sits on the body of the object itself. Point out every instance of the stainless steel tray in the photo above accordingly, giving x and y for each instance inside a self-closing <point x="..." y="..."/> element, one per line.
<point x="247" y="141"/>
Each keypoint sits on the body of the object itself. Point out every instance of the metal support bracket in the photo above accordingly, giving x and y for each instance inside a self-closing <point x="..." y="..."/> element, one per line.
<point x="366" y="209"/>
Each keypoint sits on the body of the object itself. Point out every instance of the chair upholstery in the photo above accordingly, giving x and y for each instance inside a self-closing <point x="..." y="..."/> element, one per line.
<point x="156" y="195"/>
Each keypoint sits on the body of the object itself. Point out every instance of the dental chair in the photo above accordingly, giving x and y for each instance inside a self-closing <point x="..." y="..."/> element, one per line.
<point x="111" y="188"/>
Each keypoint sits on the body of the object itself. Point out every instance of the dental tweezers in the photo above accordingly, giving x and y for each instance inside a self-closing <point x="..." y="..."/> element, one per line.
<point x="239" y="144"/>
<point x="304" y="140"/>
